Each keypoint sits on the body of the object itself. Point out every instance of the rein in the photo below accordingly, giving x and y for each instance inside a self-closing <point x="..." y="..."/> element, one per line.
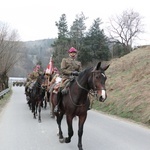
<point x="89" y="91"/>
<point x="39" y="85"/>
<point x="81" y="86"/>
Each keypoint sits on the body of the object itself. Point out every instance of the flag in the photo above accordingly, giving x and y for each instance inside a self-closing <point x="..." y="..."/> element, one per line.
<point x="50" y="67"/>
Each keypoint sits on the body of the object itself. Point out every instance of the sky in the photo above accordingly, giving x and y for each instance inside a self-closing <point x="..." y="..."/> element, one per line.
<point x="35" y="19"/>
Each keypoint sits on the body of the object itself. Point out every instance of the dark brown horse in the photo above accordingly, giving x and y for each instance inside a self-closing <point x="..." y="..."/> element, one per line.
<point x="37" y="96"/>
<point x="76" y="101"/>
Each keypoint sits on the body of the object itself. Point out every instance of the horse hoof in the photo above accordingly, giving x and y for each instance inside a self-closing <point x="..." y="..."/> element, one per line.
<point x="67" y="140"/>
<point x="61" y="140"/>
<point x="39" y="121"/>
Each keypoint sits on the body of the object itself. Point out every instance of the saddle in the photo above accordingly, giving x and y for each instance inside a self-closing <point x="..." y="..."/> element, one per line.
<point x="56" y="87"/>
<point x="61" y="85"/>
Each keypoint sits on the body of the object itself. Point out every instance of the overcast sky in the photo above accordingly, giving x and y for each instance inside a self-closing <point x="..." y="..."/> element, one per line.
<point x="35" y="19"/>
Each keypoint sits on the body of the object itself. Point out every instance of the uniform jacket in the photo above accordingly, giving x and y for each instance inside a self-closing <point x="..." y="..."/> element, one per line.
<point x="68" y="65"/>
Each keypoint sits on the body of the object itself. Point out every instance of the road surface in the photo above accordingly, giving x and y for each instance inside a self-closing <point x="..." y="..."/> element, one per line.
<point x="19" y="131"/>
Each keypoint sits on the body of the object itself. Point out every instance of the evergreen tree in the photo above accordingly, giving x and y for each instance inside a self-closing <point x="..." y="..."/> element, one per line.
<point x="77" y="30"/>
<point x="97" y="42"/>
<point x="61" y="44"/>
<point x="77" y="35"/>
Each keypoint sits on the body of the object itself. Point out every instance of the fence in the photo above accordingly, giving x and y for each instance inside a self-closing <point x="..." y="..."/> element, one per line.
<point x="2" y="93"/>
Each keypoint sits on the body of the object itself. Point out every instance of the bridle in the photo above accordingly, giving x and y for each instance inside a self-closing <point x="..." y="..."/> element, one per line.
<point x="92" y="92"/>
<point x="94" y="87"/>
<point x="40" y="86"/>
<point x="81" y="86"/>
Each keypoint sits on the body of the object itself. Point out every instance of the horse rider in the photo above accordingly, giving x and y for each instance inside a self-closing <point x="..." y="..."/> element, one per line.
<point x="50" y="79"/>
<point x="54" y="75"/>
<point x="32" y="77"/>
<point x="70" y="67"/>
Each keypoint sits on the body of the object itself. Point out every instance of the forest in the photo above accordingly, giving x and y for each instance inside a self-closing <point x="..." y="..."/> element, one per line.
<point x="18" y="58"/>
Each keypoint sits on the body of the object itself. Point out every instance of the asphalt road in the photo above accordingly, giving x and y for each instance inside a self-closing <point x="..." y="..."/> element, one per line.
<point x="19" y="131"/>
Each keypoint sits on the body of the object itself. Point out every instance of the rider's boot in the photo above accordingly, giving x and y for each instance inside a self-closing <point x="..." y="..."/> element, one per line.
<point x="65" y="89"/>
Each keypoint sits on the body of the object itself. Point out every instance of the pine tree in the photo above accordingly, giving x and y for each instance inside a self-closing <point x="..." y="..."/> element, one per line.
<point x="77" y="35"/>
<point x="97" y="42"/>
<point x="61" y="44"/>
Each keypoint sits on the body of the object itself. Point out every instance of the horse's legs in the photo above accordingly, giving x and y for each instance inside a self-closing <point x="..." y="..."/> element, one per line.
<point x="30" y="104"/>
<point x="51" y="110"/>
<point x="80" y="131"/>
<point x="51" y="105"/>
<point x="39" y="110"/>
<point x="45" y="103"/>
<point x="34" y="109"/>
<point x="59" y="119"/>
<point x="70" y="128"/>
<point x="45" y="100"/>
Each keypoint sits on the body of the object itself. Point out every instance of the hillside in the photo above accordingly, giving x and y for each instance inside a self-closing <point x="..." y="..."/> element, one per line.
<point x="128" y="87"/>
<point x="31" y="53"/>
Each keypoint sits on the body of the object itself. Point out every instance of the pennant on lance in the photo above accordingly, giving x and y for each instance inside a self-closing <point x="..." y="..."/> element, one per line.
<point x="50" y="67"/>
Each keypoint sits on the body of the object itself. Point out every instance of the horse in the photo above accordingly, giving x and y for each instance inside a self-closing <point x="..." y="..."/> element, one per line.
<point x="47" y="94"/>
<point x="50" y="83"/>
<point x="29" y="95"/>
<point x="76" y="102"/>
<point x="37" y="96"/>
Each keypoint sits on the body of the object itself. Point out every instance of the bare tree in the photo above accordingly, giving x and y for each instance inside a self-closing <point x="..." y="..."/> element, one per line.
<point x="126" y="28"/>
<point x="9" y="51"/>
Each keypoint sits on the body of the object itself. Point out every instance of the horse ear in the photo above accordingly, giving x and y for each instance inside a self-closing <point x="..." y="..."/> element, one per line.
<point x="97" y="67"/>
<point x="106" y="67"/>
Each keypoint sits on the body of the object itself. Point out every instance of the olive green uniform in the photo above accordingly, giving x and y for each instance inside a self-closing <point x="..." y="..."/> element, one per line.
<point x="69" y="65"/>
<point x="32" y="78"/>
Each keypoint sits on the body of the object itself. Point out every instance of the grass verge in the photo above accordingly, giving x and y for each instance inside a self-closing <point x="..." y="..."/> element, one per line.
<point x="5" y="99"/>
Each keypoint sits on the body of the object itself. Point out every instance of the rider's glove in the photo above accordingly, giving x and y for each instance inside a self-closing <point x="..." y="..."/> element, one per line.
<point x="75" y="73"/>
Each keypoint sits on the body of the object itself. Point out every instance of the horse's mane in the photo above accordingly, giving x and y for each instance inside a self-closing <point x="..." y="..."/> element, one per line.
<point x="85" y="71"/>
<point x="37" y="82"/>
<point x="41" y="76"/>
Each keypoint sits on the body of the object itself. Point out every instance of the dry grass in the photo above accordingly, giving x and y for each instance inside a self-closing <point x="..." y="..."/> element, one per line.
<point x="128" y="87"/>
<point x="5" y="99"/>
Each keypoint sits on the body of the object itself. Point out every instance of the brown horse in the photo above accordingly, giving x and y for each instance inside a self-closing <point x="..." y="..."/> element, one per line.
<point x="76" y="101"/>
<point x="37" y="96"/>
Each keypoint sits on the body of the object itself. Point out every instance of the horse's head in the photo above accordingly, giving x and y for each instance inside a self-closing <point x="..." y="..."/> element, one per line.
<point x="41" y="80"/>
<point x="98" y="80"/>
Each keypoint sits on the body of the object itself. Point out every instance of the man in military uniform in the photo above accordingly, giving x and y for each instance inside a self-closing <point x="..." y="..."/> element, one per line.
<point x="70" y="67"/>
<point x="32" y="77"/>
